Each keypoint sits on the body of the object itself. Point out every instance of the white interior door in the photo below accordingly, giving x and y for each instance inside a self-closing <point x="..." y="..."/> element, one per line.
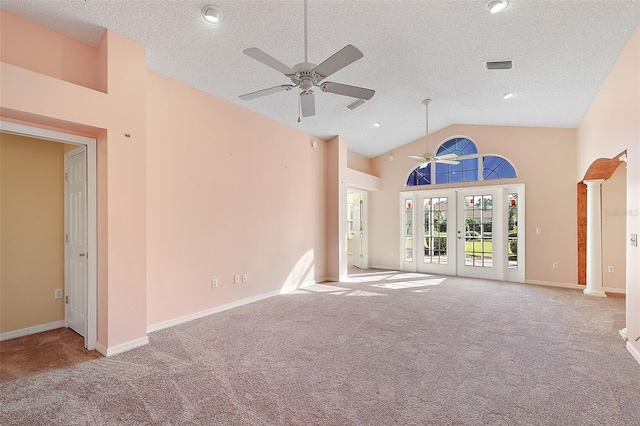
<point x="354" y="241"/>
<point x="76" y="240"/>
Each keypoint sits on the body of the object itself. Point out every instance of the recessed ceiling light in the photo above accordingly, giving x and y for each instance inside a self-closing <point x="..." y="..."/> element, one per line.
<point x="507" y="95"/>
<point x="376" y="124"/>
<point x="212" y="13"/>
<point x="495" y="6"/>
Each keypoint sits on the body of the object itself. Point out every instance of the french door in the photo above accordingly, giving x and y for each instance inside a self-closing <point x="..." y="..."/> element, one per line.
<point x="471" y="232"/>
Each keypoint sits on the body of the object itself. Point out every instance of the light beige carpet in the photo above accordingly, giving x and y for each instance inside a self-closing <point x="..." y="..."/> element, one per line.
<point x="386" y="349"/>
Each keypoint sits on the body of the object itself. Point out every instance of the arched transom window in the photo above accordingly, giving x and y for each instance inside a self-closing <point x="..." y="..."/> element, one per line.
<point x="472" y="166"/>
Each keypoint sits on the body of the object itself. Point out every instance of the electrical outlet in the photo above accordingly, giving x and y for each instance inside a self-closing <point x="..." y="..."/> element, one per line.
<point x="57" y="293"/>
<point x="538" y="230"/>
<point x="236" y="279"/>
<point x="214" y="283"/>
<point x="555" y="265"/>
<point x="245" y="278"/>
<point x="610" y="269"/>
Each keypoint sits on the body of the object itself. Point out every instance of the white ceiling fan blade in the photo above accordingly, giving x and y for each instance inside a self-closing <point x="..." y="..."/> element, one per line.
<point x="438" y="160"/>
<point x="308" y="104"/>
<point x="346" y="90"/>
<point x="268" y="60"/>
<point x="417" y="157"/>
<point x="264" y="92"/>
<point x="343" y="57"/>
<point x="447" y="156"/>
<point x="355" y="104"/>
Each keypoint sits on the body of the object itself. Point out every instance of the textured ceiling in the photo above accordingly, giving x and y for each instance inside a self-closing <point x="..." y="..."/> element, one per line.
<point x="563" y="51"/>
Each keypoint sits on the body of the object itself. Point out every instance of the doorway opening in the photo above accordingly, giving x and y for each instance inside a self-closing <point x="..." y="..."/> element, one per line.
<point x="357" y="229"/>
<point x="87" y="219"/>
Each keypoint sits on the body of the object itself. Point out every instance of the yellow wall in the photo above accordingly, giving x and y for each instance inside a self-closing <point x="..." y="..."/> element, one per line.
<point x="32" y="230"/>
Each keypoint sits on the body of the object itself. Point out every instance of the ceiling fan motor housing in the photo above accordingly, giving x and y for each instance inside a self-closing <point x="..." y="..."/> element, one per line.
<point x="305" y="75"/>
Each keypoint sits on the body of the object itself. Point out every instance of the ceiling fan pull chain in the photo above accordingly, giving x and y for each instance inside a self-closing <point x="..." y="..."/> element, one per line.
<point x="299" y="106"/>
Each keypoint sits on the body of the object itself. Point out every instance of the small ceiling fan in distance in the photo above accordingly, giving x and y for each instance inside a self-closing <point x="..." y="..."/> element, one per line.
<point x="306" y="75"/>
<point x="428" y="157"/>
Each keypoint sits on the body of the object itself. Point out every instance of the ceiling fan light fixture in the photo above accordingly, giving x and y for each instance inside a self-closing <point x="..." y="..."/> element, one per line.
<point x="495" y="6"/>
<point x="212" y="14"/>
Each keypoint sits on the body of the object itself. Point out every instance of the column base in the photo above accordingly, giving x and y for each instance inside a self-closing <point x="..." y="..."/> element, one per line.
<point x="595" y="293"/>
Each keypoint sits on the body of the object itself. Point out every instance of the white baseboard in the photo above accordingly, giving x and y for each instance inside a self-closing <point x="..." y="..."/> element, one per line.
<point x="387" y="268"/>
<point x="614" y="290"/>
<point x="207" y="312"/>
<point x="123" y="347"/>
<point x="31" y="330"/>
<point x="555" y="284"/>
<point x="101" y="348"/>
<point x="574" y="286"/>
<point x="634" y="352"/>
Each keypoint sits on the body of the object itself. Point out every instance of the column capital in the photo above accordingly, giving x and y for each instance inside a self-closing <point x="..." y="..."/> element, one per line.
<point x="593" y="182"/>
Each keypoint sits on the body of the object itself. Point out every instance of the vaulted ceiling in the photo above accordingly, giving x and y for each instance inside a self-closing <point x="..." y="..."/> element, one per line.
<point x="563" y="51"/>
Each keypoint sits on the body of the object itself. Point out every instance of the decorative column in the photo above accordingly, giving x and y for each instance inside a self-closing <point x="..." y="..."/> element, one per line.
<point x="594" y="239"/>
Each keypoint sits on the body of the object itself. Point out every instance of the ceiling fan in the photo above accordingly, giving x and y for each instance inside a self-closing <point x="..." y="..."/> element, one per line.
<point x="306" y="75"/>
<point x="428" y="157"/>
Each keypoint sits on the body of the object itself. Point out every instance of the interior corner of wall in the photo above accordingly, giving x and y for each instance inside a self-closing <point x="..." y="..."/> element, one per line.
<point x="103" y="84"/>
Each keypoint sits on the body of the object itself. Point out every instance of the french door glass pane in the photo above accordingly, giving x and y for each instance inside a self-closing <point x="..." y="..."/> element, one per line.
<point x="512" y="235"/>
<point x="435" y="230"/>
<point x="408" y="227"/>
<point x="478" y="216"/>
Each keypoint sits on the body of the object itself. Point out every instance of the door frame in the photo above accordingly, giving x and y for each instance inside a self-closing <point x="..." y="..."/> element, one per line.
<point x="456" y="193"/>
<point x="91" y="338"/>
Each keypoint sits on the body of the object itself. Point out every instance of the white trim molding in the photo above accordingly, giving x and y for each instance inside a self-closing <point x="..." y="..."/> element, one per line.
<point x="614" y="290"/>
<point x="31" y="330"/>
<point x="555" y="284"/>
<point x="634" y="352"/>
<point x="217" y="309"/>
<point x="123" y="347"/>
<point x="92" y="215"/>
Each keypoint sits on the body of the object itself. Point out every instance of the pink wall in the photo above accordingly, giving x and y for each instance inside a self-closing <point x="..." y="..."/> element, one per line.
<point x="37" y="92"/>
<point x="614" y="229"/>
<point x="190" y="188"/>
<point x="358" y="162"/>
<point x="611" y="125"/>
<point x="58" y="56"/>
<point x="229" y="192"/>
<point x="336" y="208"/>
<point x="543" y="159"/>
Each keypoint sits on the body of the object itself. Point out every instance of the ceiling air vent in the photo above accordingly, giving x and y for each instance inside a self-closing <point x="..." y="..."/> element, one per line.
<point x="498" y="65"/>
